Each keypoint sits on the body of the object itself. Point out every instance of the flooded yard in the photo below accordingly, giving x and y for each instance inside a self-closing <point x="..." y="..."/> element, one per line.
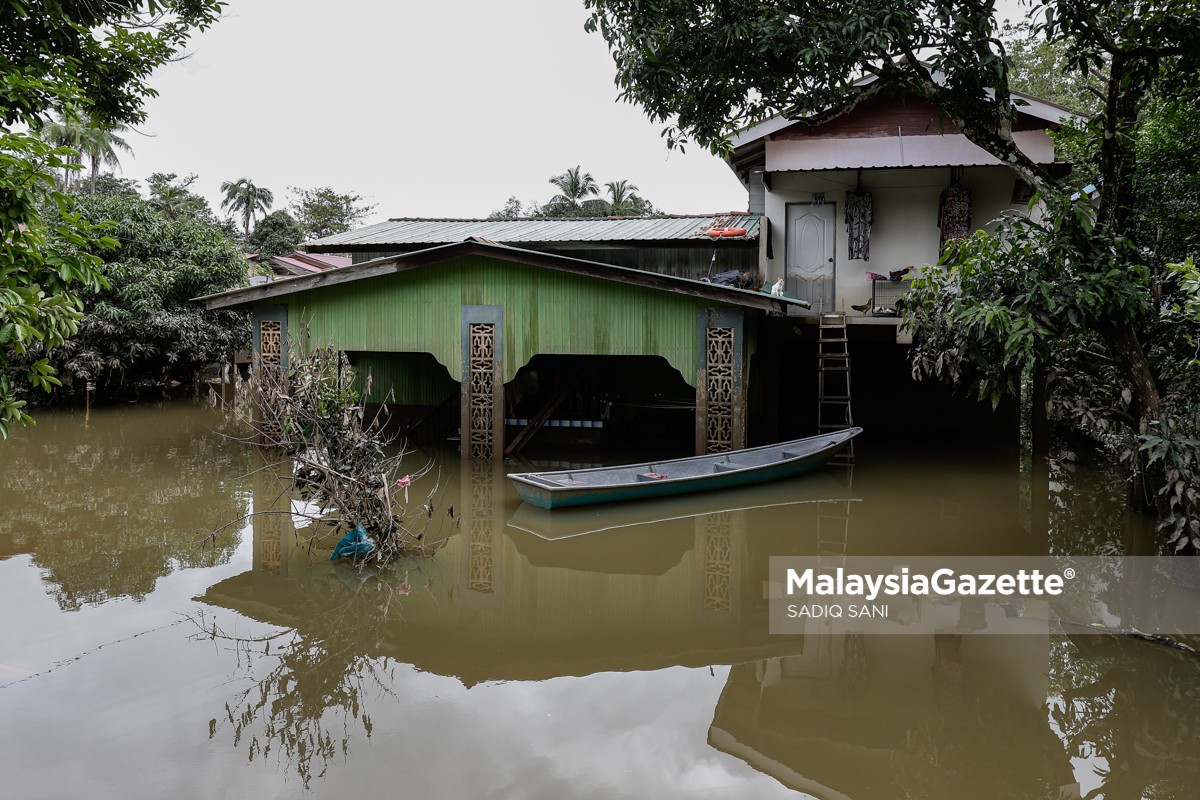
<point x="613" y="652"/>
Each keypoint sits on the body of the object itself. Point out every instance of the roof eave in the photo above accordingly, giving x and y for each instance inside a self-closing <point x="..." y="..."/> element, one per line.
<point x="248" y="296"/>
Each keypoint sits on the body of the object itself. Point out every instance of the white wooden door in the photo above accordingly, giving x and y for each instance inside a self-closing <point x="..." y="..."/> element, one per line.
<point x="810" y="254"/>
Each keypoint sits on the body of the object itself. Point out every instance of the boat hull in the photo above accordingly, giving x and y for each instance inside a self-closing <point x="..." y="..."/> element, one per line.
<point x="569" y="488"/>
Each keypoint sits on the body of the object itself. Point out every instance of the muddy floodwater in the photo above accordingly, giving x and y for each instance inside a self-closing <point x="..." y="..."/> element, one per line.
<point x="529" y="658"/>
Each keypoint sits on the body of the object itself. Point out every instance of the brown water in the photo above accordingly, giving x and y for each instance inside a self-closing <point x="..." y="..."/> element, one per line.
<point x="528" y="659"/>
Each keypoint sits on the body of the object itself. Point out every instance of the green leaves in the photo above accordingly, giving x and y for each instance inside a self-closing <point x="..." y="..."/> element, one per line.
<point x="43" y="267"/>
<point x="1005" y="303"/>
<point x="1178" y="456"/>
<point x="99" y="55"/>
<point x="276" y="234"/>
<point x="94" y="58"/>
<point x="142" y="324"/>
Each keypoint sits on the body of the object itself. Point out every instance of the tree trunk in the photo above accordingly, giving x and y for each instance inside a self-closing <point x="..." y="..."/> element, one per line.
<point x="1127" y="87"/>
<point x="1127" y="351"/>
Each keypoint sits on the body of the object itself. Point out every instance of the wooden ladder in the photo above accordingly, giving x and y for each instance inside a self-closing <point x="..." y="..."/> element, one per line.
<point x="833" y="522"/>
<point x="833" y="379"/>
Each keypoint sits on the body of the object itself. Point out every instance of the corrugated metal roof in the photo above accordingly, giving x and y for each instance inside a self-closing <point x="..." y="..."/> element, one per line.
<point x="409" y="231"/>
<point x="302" y="263"/>
<point x="246" y="296"/>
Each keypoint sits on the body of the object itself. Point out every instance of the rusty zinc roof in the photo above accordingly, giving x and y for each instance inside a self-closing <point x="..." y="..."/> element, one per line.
<point x="411" y="231"/>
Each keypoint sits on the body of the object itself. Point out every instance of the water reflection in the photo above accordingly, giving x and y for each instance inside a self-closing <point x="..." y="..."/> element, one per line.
<point x="942" y="716"/>
<point x="1128" y="715"/>
<point x="1085" y="512"/>
<point x="109" y="507"/>
<point x="520" y="596"/>
<point x="496" y="604"/>
<point x="310" y="685"/>
<point x="531" y="658"/>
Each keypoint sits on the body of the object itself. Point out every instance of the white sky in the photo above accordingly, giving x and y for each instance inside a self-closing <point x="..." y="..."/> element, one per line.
<point x="427" y="109"/>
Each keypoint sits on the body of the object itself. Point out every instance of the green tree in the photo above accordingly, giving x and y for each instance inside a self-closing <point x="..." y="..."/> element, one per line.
<point x="44" y="265"/>
<point x="324" y="212"/>
<point x="244" y="199"/>
<point x="1166" y="142"/>
<point x="111" y="186"/>
<point x="96" y="57"/>
<point x="575" y="187"/>
<point x="1041" y="67"/>
<point x="807" y="59"/>
<point x="1167" y="182"/>
<point x="621" y="197"/>
<point x="143" y="325"/>
<point x="96" y="142"/>
<point x="67" y="133"/>
<point x="276" y="234"/>
<point x="171" y="195"/>
<point x="515" y="209"/>
<point x="624" y="201"/>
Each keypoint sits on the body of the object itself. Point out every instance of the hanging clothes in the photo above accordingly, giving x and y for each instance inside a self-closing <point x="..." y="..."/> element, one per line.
<point x="954" y="214"/>
<point x="859" y="216"/>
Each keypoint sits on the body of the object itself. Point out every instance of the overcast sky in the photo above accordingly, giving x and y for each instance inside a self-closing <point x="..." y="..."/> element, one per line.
<point x="425" y="109"/>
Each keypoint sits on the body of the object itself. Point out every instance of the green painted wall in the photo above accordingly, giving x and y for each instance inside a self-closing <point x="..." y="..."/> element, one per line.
<point x="403" y="378"/>
<point x="545" y="311"/>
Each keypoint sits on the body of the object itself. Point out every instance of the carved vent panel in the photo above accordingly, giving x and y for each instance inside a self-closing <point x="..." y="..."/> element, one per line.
<point x="482" y="556"/>
<point x="481" y="374"/>
<point x="270" y="337"/>
<point x="719" y="388"/>
<point x="718" y="562"/>
<point x="272" y="553"/>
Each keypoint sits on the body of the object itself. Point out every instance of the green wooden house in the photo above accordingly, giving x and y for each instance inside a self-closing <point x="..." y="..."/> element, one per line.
<point x="467" y="317"/>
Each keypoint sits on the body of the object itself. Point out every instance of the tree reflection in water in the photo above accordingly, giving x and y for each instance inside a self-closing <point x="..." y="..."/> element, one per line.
<point x="867" y="717"/>
<point x="903" y="716"/>
<point x="108" y="508"/>
<point x="312" y="700"/>
<point x="1131" y="711"/>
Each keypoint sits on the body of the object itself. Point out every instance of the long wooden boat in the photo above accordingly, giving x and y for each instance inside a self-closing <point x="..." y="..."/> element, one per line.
<point x="679" y="476"/>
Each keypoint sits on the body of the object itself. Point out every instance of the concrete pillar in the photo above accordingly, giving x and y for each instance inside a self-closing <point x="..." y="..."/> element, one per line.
<point x="482" y="421"/>
<point x="721" y="381"/>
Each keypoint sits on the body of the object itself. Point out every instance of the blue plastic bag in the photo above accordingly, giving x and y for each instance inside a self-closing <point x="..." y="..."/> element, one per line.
<point x="354" y="544"/>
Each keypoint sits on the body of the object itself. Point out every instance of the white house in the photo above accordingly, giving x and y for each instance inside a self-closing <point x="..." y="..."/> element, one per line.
<point x="875" y="191"/>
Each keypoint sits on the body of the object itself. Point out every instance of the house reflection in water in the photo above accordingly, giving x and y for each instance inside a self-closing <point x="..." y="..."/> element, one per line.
<point x="838" y="715"/>
<point x="945" y="716"/>
<point x="500" y="603"/>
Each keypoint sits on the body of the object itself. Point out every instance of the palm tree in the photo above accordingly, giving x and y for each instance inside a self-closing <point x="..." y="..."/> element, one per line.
<point x="243" y="198"/>
<point x="175" y="201"/>
<point x="623" y="200"/>
<point x="101" y="147"/>
<point x="575" y="186"/>
<point x="98" y="143"/>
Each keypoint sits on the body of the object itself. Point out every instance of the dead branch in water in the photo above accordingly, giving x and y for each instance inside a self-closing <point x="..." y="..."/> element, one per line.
<point x="341" y="464"/>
